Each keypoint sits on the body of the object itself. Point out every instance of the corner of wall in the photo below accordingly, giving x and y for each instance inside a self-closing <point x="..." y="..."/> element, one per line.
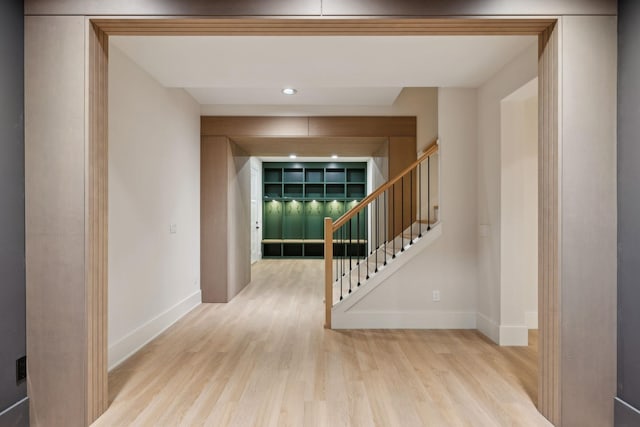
<point x="488" y="327"/>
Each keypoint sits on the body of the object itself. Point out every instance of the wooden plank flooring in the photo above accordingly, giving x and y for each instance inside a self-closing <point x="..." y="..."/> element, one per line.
<point x="264" y="359"/>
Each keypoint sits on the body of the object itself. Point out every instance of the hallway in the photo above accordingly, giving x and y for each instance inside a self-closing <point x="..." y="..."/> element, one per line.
<point x="265" y="359"/>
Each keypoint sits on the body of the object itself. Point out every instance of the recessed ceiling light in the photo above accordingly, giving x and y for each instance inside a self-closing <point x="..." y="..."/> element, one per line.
<point x="292" y="156"/>
<point x="334" y="156"/>
<point x="289" y="91"/>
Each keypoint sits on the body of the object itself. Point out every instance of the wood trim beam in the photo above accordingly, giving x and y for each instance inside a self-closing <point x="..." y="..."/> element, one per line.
<point x="96" y="188"/>
<point x="354" y="126"/>
<point x="318" y="27"/>
<point x="549" y="396"/>
<point x="96" y="226"/>
<point x="362" y="126"/>
<point x="245" y="126"/>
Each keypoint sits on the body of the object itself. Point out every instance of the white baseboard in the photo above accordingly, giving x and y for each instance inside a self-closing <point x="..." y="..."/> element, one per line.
<point x="531" y="319"/>
<point x="514" y="335"/>
<point x="124" y="348"/>
<point x="503" y="335"/>
<point x="403" y="320"/>
<point x="488" y="327"/>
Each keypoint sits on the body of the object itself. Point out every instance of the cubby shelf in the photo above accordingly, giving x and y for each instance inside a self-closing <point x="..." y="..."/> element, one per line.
<point x="298" y="196"/>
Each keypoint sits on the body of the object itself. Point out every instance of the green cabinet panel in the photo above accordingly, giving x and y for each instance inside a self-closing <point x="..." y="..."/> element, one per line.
<point x="297" y="196"/>
<point x="334" y="209"/>
<point x="293" y="220"/>
<point x="272" y="221"/>
<point x="314" y="220"/>
<point x="314" y="175"/>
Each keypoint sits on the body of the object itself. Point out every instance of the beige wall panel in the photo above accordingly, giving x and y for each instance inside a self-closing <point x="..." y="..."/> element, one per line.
<point x="239" y="217"/>
<point x="213" y="219"/>
<point x="182" y="7"/>
<point x="55" y="219"/>
<point x="466" y="7"/>
<point x="254" y="126"/>
<point x="321" y="7"/>
<point x="589" y="220"/>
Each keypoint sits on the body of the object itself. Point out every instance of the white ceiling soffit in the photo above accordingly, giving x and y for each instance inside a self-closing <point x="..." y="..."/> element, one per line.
<point x="305" y="96"/>
<point x="249" y="70"/>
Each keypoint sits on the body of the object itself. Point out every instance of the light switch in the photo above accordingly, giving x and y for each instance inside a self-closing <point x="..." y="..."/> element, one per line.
<point x="173" y="228"/>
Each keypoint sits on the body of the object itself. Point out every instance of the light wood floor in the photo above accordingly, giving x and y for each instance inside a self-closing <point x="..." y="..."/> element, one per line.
<point x="264" y="359"/>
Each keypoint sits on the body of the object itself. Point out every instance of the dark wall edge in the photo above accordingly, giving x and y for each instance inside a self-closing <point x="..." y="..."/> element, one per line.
<point x="625" y="414"/>
<point x="16" y="415"/>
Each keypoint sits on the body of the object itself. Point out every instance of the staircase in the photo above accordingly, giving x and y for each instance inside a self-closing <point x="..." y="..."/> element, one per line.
<point x="379" y="234"/>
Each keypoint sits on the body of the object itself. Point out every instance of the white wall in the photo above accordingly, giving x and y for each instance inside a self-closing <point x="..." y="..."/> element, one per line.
<point x="521" y="70"/>
<point x="519" y="215"/>
<point x="449" y="263"/>
<point x="154" y="181"/>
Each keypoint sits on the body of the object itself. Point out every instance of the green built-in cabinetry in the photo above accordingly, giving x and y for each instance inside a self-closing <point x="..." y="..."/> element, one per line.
<point x="298" y="196"/>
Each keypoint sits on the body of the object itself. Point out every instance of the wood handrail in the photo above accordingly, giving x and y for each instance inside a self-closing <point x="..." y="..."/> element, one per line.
<point x="431" y="149"/>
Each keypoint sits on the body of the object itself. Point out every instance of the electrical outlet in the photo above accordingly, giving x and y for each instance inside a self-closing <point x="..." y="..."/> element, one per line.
<point x="173" y="228"/>
<point x="21" y="370"/>
<point x="436" y="296"/>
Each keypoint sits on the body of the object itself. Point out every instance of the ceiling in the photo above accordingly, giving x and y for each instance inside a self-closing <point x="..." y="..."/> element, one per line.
<point x="326" y="70"/>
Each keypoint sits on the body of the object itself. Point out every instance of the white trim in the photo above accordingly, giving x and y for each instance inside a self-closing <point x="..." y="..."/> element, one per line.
<point x="531" y="319"/>
<point x="124" y="348"/>
<point x="404" y="320"/>
<point x="488" y="327"/>
<point x="514" y="335"/>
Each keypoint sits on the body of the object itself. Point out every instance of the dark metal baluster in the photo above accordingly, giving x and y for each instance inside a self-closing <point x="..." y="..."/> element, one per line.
<point x="428" y="193"/>
<point x="393" y="220"/>
<point x="411" y="207"/>
<point x="350" y="249"/>
<point x="386" y="236"/>
<point x="336" y="256"/>
<point x="402" y="215"/>
<point x="366" y="257"/>
<point x="377" y="232"/>
<point x="358" y="238"/>
<point x="420" y="200"/>
<point x="344" y="253"/>
<point x="341" y="261"/>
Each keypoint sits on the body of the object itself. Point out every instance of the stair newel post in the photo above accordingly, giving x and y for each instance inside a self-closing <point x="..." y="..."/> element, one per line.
<point x="428" y="193"/>
<point x="402" y="214"/>
<point x="350" y="251"/>
<point x="420" y="200"/>
<point x="386" y="236"/>
<point x="328" y="273"/>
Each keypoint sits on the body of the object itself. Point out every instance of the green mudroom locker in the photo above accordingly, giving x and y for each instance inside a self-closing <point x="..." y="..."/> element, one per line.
<point x="296" y="199"/>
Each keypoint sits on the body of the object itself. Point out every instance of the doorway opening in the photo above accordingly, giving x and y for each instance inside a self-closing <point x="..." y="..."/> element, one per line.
<point x="100" y="62"/>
